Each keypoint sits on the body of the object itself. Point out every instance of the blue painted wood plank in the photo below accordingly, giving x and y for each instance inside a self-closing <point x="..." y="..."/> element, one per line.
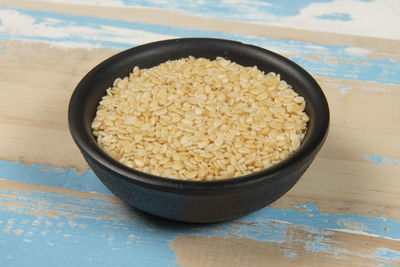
<point x="91" y="229"/>
<point x="83" y="239"/>
<point x="343" y="62"/>
<point x="358" y="17"/>
<point x="45" y="175"/>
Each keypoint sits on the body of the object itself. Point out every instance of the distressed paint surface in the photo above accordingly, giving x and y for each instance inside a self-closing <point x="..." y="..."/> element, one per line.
<point x="61" y="213"/>
<point x="356" y="17"/>
<point x="52" y="176"/>
<point x="307" y="215"/>
<point x="64" y="30"/>
<point x="381" y="160"/>
<point x="345" y="209"/>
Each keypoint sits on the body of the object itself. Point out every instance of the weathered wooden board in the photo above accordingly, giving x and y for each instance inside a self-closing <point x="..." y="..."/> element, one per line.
<point x="345" y="210"/>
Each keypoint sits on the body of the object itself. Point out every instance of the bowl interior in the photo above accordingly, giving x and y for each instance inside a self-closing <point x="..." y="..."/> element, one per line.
<point x="92" y="87"/>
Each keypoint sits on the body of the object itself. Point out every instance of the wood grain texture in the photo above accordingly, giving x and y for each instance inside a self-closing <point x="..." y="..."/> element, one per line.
<point x="344" y="249"/>
<point x="34" y="114"/>
<point x="344" y="210"/>
<point x="378" y="47"/>
<point x="56" y="218"/>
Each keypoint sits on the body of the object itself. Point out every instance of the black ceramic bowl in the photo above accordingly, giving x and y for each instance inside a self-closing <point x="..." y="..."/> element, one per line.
<point x="192" y="201"/>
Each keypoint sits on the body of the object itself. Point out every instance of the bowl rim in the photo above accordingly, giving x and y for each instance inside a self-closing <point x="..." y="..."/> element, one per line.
<point x="95" y="153"/>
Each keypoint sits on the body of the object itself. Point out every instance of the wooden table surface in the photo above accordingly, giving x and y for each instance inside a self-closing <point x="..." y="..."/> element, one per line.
<point x="344" y="210"/>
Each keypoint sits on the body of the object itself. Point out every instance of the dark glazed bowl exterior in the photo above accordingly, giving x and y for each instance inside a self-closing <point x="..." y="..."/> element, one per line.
<point x="191" y="201"/>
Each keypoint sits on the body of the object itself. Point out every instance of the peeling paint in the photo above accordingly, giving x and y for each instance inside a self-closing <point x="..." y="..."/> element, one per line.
<point x="18" y="231"/>
<point x="352" y="225"/>
<point x="144" y="233"/>
<point x="52" y="176"/>
<point x="389" y="255"/>
<point x="380" y="160"/>
<point x="290" y="254"/>
<point x="349" y="17"/>
<point x="57" y="218"/>
<point x="357" y="51"/>
<point x="335" y="16"/>
<point x="344" y="90"/>
<point x="345" y="62"/>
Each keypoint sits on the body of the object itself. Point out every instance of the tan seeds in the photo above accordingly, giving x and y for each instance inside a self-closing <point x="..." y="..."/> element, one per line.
<point x="200" y="119"/>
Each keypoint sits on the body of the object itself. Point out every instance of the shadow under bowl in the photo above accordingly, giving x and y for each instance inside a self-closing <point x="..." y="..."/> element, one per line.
<point x="196" y="201"/>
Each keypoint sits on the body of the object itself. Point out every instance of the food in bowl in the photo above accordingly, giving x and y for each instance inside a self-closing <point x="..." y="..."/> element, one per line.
<point x="200" y="119"/>
<point x="192" y="200"/>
